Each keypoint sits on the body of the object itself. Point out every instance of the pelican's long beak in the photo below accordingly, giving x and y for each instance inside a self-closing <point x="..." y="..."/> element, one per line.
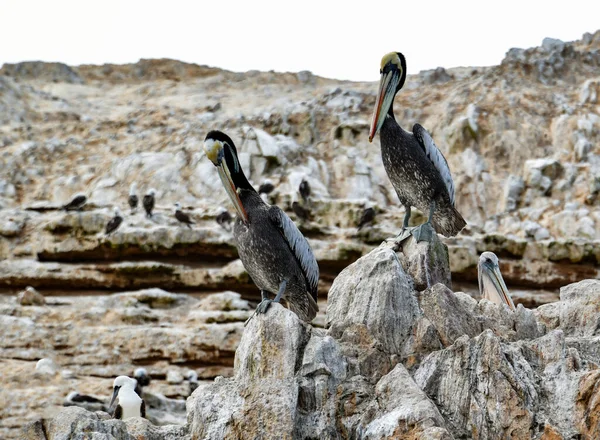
<point x="387" y="91"/>
<point x="493" y="272"/>
<point x="215" y="152"/>
<point x="114" y="396"/>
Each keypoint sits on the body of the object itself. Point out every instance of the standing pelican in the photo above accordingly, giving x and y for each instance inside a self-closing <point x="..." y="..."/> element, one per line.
<point x="129" y="403"/>
<point x="491" y="283"/>
<point x="77" y="203"/>
<point x="417" y="169"/>
<point x="272" y="249"/>
<point x="133" y="198"/>
<point x="114" y="222"/>
<point x="148" y="202"/>
<point x="182" y="217"/>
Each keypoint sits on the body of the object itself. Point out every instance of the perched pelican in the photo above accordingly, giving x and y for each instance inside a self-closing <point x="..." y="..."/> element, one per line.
<point x="266" y="187"/>
<point x="367" y="217"/>
<point x="491" y="283"/>
<point x="301" y="212"/>
<point x="114" y="222"/>
<point x="77" y="203"/>
<point x="142" y="380"/>
<point x="272" y="249"/>
<point x="417" y="169"/>
<point x="148" y="202"/>
<point x="129" y="403"/>
<point x="224" y="220"/>
<point x="133" y="198"/>
<point x="182" y="217"/>
<point x="304" y="190"/>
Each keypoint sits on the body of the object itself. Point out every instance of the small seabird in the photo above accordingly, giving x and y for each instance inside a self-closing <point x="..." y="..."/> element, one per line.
<point x="133" y="198"/>
<point x="182" y="217"/>
<point x="491" y="283"/>
<point x="304" y="190"/>
<point x="418" y="171"/>
<point x="301" y="212"/>
<point x="114" y="222"/>
<point x="129" y="403"/>
<point x="148" y="202"/>
<point x="142" y="378"/>
<point x="367" y="218"/>
<point x="90" y="403"/>
<point x="224" y="220"/>
<point x="266" y="187"/>
<point x="77" y="203"/>
<point x="274" y="252"/>
<point x="192" y="377"/>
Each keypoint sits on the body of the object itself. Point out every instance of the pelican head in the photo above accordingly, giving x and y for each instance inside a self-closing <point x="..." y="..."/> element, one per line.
<point x="491" y="283"/>
<point x="221" y="151"/>
<point x="393" y="75"/>
<point x="121" y="382"/>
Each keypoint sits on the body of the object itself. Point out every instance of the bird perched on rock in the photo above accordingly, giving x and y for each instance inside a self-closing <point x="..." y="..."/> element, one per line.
<point x="129" y="404"/>
<point x="90" y="403"/>
<point x="491" y="283"/>
<point x="114" y="223"/>
<point x="182" y="217"/>
<point x="272" y="249"/>
<point x="301" y="212"/>
<point x="304" y="190"/>
<point x="192" y="377"/>
<point x="417" y="169"/>
<point x="148" y="202"/>
<point x="77" y="203"/>
<point x="133" y="198"/>
<point x="366" y="218"/>
<point x="142" y="380"/>
<point x="224" y="220"/>
<point x="266" y="187"/>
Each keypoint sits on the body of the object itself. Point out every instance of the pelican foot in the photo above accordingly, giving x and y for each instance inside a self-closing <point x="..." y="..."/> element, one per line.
<point x="423" y="232"/>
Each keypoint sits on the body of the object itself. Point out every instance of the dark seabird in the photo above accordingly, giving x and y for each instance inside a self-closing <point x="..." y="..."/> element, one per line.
<point x="366" y="218"/>
<point x="129" y="403"/>
<point x="182" y="217"/>
<point x="272" y="249"/>
<point x="491" y="283"/>
<point x="90" y="403"/>
<point x="192" y="377"/>
<point x="304" y="190"/>
<point x="417" y="169"/>
<point x="148" y="202"/>
<point x="224" y="220"/>
<point x="142" y="380"/>
<point x="301" y="212"/>
<point x="77" y="203"/>
<point x="133" y="198"/>
<point x="114" y="222"/>
<point x="266" y="187"/>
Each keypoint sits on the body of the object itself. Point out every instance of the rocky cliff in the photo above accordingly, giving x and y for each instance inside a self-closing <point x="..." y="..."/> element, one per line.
<point x="521" y="139"/>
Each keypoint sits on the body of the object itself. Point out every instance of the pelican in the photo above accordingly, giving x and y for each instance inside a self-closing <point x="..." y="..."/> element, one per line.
<point x="304" y="190"/>
<point x="133" y="198"/>
<point x="272" y="249"/>
<point x="77" y="203"/>
<point x="129" y="403"/>
<point x="114" y="222"/>
<point x="148" y="202"/>
<point x="182" y="217"/>
<point x="491" y="283"/>
<point x="417" y="169"/>
<point x="367" y="217"/>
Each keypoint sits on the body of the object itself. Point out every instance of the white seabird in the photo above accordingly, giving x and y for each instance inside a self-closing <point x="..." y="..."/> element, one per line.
<point x="129" y="403"/>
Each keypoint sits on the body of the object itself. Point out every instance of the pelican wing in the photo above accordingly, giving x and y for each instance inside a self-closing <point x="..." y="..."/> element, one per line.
<point x="436" y="157"/>
<point x="299" y="247"/>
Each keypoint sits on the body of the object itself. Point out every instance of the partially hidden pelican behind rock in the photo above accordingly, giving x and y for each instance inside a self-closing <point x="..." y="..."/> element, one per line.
<point x="491" y="283"/>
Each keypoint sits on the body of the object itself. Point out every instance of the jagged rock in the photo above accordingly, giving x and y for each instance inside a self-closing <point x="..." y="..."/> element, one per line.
<point x="31" y="297"/>
<point x="580" y="308"/>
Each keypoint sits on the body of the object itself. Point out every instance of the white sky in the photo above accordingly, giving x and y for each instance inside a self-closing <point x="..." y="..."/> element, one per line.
<point x="338" y="39"/>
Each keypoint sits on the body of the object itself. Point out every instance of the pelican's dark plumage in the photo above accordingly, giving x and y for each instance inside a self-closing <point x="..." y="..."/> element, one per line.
<point x="148" y="202"/>
<point x="114" y="223"/>
<point x="182" y="217"/>
<point x="418" y="171"/>
<point x="224" y="220"/>
<point x="76" y="204"/>
<point x="366" y="218"/>
<point x="491" y="283"/>
<point x="304" y="190"/>
<point x="133" y="198"/>
<point x="272" y="249"/>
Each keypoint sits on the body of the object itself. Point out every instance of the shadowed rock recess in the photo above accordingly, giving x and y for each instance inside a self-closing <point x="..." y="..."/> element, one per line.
<point x="396" y="361"/>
